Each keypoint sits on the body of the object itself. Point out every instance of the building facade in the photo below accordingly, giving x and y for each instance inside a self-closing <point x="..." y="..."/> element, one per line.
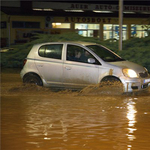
<point x="19" y="27"/>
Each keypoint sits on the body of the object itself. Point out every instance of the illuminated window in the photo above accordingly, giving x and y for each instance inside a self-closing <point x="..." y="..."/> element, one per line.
<point x="139" y="30"/>
<point x="111" y="31"/>
<point x="61" y="25"/>
<point x="87" y="30"/>
<point x="86" y="26"/>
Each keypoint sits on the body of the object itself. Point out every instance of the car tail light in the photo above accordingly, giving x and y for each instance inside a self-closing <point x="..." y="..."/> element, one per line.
<point x="24" y="62"/>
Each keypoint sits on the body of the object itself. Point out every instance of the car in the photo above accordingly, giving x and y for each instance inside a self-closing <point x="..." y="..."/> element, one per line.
<point x="79" y="64"/>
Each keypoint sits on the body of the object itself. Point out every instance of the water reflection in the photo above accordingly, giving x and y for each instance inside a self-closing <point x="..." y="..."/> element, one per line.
<point x="131" y="116"/>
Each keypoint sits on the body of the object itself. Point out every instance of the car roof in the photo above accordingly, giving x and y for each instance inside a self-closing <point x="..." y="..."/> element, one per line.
<point x="81" y="43"/>
<point x="68" y="42"/>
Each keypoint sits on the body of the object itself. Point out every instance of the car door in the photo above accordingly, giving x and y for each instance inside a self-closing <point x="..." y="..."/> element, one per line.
<point x="49" y="63"/>
<point x="77" y="70"/>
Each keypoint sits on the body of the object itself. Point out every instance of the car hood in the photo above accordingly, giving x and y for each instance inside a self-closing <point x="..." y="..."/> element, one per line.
<point x="130" y="65"/>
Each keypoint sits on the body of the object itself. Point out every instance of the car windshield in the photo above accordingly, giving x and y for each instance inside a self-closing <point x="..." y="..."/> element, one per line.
<point x="104" y="53"/>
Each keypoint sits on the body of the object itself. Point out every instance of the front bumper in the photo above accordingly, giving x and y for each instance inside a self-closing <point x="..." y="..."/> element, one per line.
<point x="138" y="84"/>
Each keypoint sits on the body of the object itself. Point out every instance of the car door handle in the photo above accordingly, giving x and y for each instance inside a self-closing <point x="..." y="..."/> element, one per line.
<point x="68" y="68"/>
<point x="40" y="65"/>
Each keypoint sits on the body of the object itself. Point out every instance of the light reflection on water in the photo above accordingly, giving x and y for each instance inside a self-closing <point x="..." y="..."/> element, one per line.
<point x="71" y="122"/>
<point x="38" y="119"/>
<point x="131" y="115"/>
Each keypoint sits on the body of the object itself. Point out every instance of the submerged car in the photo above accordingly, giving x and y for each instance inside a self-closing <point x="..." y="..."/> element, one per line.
<point x="79" y="64"/>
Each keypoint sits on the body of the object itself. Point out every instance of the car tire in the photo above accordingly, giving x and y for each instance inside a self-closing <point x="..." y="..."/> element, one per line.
<point x="110" y="81"/>
<point x="33" y="79"/>
<point x="113" y="85"/>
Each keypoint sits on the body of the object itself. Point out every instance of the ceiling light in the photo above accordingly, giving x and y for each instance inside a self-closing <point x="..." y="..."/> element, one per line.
<point x="74" y="10"/>
<point x="40" y="9"/>
<point x="58" y="24"/>
<point x="98" y="11"/>
<point x="47" y="9"/>
<point x="129" y="12"/>
<point x="37" y="9"/>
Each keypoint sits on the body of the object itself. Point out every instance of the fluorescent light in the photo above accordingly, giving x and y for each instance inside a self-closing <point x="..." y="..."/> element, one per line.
<point x="37" y="9"/>
<point x="58" y="24"/>
<point x="129" y="12"/>
<point x="74" y="10"/>
<point x="40" y="9"/>
<point x="47" y="9"/>
<point x="98" y="11"/>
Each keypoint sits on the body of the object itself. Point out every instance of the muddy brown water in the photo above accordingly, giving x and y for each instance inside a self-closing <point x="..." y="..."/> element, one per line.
<point x="36" y="118"/>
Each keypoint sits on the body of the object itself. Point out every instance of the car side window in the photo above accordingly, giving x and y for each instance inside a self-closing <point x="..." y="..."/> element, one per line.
<point x="79" y="54"/>
<point x="51" y="51"/>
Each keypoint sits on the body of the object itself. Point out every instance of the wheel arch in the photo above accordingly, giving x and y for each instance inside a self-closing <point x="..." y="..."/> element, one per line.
<point x="110" y="77"/>
<point x="32" y="73"/>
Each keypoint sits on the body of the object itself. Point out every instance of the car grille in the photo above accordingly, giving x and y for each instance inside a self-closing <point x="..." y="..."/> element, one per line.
<point x="143" y="75"/>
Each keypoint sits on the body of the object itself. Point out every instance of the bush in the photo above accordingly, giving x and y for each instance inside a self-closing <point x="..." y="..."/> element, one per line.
<point x="135" y="49"/>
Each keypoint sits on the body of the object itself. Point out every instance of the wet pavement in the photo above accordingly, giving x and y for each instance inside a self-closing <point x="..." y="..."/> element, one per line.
<point x="36" y="118"/>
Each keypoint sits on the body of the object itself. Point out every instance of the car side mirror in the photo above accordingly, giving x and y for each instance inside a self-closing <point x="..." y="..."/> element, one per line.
<point x="91" y="60"/>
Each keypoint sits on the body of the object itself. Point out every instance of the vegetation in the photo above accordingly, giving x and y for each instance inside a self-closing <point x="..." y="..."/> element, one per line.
<point x="136" y="49"/>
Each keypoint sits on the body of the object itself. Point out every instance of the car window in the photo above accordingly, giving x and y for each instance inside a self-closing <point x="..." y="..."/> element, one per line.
<point x="79" y="54"/>
<point x="104" y="53"/>
<point x="51" y="51"/>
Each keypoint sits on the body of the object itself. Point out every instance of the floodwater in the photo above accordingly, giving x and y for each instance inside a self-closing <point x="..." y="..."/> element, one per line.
<point x="36" y="118"/>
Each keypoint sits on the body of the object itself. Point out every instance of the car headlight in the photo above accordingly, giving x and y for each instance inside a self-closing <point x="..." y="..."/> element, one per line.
<point x="130" y="73"/>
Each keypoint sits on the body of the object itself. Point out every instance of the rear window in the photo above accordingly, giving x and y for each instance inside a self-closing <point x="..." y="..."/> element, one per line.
<point x="51" y="51"/>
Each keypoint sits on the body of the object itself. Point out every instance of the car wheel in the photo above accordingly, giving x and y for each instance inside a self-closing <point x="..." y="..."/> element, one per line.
<point x="112" y="84"/>
<point x="110" y="81"/>
<point x="33" y="79"/>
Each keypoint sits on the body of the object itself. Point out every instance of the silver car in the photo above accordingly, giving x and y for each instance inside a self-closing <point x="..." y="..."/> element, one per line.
<point x="79" y="64"/>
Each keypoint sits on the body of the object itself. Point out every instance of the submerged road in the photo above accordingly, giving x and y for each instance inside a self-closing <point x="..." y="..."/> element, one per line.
<point x="36" y="118"/>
